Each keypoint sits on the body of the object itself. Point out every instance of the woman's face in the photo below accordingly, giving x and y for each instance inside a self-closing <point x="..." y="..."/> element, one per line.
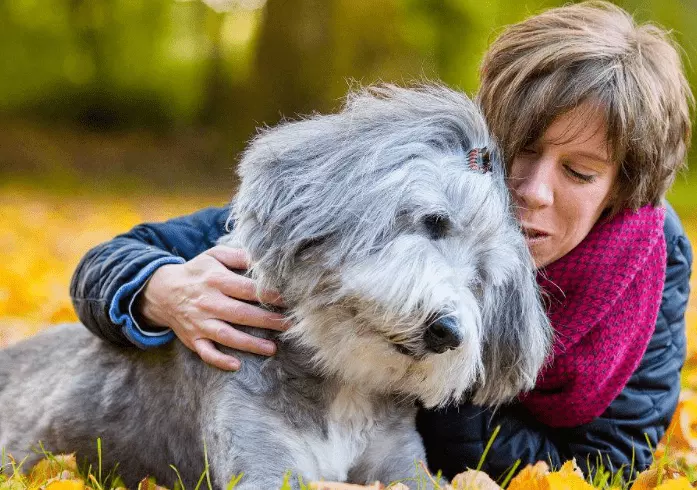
<point x="562" y="183"/>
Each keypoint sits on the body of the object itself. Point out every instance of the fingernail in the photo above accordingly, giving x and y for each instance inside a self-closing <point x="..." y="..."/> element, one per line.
<point x="234" y="365"/>
<point x="268" y="348"/>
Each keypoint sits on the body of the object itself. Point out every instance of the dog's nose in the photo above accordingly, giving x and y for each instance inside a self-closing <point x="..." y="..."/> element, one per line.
<point x="442" y="335"/>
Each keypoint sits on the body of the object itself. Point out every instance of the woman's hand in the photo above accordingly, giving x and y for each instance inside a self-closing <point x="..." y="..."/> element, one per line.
<point x="200" y="298"/>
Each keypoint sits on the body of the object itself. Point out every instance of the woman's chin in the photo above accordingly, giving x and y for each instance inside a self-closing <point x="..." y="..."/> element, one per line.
<point x="540" y="249"/>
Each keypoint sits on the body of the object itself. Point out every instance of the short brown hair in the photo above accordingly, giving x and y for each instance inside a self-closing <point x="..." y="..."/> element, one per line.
<point x="594" y="51"/>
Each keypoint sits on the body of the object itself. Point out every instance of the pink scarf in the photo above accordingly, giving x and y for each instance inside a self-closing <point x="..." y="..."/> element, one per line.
<point x="602" y="299"/>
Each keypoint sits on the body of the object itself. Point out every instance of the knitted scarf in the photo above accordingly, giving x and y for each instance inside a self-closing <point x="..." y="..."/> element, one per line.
<point x="602" y="299"/>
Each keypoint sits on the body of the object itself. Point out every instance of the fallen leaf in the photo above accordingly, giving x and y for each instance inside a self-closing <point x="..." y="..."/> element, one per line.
<point x="61" y="466"/>
<point x="570" y="467"/>
<point x="66" y="485"/>
<point x="682" y="431"/>
<point x="149" y="484"/>
<point x="474" y="480"/>
<point x="648" y="479"/>
<point x="530" y="477"/>
<point x="681" y="483"/>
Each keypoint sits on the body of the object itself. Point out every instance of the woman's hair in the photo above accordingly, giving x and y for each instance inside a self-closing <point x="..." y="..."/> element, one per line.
<point x="593" y="52"/>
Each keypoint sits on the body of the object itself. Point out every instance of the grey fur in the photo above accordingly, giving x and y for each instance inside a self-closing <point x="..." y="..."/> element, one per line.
<point x="333" y="211"/>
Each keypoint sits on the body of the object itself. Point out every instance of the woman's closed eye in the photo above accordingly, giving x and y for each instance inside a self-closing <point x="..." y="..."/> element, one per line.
<point x="579" y="176"/>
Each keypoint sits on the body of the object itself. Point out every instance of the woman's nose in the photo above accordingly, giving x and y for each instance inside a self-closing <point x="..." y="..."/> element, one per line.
<point x="534" y="189"/>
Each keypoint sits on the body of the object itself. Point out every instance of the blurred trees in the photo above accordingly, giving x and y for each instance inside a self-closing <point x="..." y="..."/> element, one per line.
<point x="168" y="91"/>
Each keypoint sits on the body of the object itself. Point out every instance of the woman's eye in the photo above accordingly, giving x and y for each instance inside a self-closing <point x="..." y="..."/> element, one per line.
<point x="578" y="175"/>
<point x="436" y="225"/>
<point x="528" y="150"/>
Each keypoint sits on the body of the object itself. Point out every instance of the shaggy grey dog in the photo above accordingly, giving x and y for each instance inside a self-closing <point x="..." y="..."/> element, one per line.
<point x="407" y="280"/>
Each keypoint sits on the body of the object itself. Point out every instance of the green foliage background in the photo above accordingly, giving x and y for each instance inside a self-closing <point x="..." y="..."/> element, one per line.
<point x="166" y="93"/>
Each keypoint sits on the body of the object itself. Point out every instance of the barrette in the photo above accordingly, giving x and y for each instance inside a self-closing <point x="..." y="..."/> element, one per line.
<point x="479" y="159"/>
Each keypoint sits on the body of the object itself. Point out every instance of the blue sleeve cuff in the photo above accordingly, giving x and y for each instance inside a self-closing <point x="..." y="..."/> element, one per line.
<point x="129" y="326"/>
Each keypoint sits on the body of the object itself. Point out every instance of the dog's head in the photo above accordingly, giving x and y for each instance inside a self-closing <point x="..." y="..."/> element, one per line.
<point x="402" y="265"/>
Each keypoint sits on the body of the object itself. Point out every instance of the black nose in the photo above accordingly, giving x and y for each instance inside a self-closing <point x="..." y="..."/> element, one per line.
<point x="443" y="334"/>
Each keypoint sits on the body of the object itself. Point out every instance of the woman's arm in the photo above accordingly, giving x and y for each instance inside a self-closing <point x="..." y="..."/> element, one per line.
<point x="123" y="265"/>
<point x="455" y="438"/>
<point x="167" y="275"/>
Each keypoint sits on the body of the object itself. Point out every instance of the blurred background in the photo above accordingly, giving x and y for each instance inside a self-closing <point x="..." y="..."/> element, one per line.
<point x="114" y="112"/>
<point x="165" y="93"/>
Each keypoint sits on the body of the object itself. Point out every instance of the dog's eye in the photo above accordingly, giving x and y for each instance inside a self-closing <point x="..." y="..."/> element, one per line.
<point x="436" y="225"/>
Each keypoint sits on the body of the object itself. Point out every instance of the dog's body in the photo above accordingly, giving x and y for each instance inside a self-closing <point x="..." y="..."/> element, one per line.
<point x="406" y="277"/>
<point x="154" y="408"/>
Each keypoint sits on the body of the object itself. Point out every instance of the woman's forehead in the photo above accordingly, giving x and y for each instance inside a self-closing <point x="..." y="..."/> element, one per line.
<point x="583" y="130"/>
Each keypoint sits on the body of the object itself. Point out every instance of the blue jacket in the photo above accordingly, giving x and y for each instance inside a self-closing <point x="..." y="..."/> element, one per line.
<point x="110" y="276"/>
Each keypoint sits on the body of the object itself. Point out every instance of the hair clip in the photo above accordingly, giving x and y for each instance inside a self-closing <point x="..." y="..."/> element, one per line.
<point x="479" y="159"/>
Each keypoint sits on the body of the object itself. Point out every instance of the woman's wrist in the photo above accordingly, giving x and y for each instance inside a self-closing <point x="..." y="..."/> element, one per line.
<point x="148" y="305"/>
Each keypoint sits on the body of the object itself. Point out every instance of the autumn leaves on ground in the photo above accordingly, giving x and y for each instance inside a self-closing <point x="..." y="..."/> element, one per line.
<point x="42" y="238"/>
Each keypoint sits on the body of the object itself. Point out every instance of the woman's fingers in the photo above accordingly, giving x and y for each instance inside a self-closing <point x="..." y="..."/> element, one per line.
<point x="224" y="334"/>
<point x="241" y="313"/>
<point x="212" y="356"/>
<point x="236" y="285"/>
<point x="240" y="287"/>
<point x="215" y="298"/>
<point x="229" y="336"/>
<point x="232" y="258"/>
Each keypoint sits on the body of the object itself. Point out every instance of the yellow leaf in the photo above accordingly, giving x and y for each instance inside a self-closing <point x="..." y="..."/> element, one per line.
<point x="570" y="467"/>
<point x="682" y="432"/>
<point x="530" y="477"/>
<point x="565" y="481"/>
<point x="648" y="479"/>
<point x="66" y="485"/>
<point x="53" y="468"/>
<point x="681" y="483"/>
<point x="538" y="477"/>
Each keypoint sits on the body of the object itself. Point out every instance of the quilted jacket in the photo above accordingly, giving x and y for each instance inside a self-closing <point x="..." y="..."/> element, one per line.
<point x="111" y="275"/>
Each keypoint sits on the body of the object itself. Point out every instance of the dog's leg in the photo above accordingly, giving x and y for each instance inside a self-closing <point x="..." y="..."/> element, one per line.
<point x="243" y="438"/>
<point x="257" y="472"/>
<point x="393" y="455"/>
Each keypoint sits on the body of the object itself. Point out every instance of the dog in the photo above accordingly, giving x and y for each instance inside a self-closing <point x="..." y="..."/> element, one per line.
<point x="388" y="230"/>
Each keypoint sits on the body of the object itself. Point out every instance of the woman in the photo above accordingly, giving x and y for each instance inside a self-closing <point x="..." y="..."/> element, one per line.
<point x="593" y="116"/>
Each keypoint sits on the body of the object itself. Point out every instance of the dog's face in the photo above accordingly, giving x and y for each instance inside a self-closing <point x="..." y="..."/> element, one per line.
<point x="403" y="267"/>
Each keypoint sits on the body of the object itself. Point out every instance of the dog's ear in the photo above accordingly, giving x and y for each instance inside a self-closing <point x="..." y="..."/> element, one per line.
<point x="516" y="337"/>
<point x="274" y="249"/>
<point x="284" y="209"/>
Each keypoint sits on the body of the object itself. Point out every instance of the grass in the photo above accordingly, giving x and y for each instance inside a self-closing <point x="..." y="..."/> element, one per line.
<point x="61" y="472"/>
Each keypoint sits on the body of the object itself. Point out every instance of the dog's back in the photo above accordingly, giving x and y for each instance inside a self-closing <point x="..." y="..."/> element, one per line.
<point x="66" y="388"/>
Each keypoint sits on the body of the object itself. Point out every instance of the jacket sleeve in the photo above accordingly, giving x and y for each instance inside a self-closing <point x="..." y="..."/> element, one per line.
<point x="110" y="276"/>
<point x="623" y="436"/>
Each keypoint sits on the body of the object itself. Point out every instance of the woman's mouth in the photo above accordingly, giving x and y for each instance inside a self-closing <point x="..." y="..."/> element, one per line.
<point x="534" y="236"/>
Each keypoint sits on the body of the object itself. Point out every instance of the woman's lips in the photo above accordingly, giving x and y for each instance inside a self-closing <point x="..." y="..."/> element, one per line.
<point x="535" y="235"/>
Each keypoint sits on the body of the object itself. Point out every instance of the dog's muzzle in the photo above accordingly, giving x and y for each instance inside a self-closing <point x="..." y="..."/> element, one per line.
<point x="443" y="334"/>
<point x="440" y="333"/>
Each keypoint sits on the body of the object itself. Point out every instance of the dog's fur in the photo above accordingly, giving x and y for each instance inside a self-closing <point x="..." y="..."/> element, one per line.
<point x="373" y="227"/>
